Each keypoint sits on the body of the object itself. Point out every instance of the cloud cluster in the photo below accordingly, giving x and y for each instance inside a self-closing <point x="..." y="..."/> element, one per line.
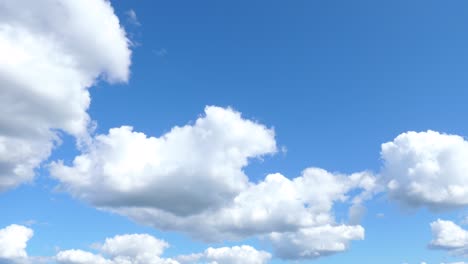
<point x="314" y="242"/>
<point x="51" y="54"/>
<point x="186" y="171"/>
<point x="122" y="249"/>
<point x="193" y="176"/>
<point x="427" y="169"/>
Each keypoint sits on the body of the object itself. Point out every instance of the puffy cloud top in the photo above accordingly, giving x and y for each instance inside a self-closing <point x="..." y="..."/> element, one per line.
<point x="193" y="177"/>
<point x="449" y="236"/>
<point x="427" y="169"/>
<point x="188" y="170"/>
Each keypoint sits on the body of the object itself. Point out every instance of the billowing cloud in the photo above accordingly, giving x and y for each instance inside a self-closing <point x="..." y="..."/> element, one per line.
<point x="51" y="53"/>
<point x="193" y="177"/>
<point x="228" y="255"/>
<point x="449" y="236"/>
<point x="13" y="243"/>
<point x="186" y="171"/>
<point x="427" y="169"/>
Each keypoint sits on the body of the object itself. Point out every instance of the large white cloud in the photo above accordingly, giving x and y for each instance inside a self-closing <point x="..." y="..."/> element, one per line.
<point x="449" y="236"/>
<point x="51" y="52"/>
<point x="191" y="180"/>
<point x="228" y="255"/>
<point x="315" y="242"/>
<point x="122" y="249"/>
<point x="13" y="243"/>
<point x="427" y="169"/>
<point x="188" y="170"/>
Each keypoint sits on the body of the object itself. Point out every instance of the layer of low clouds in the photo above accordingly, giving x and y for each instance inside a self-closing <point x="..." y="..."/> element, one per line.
<point x="51" y="54"/>
<point x="122" y="249"/>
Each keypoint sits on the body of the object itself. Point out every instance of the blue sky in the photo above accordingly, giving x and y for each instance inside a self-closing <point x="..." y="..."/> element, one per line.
<point x="333" y="79"/>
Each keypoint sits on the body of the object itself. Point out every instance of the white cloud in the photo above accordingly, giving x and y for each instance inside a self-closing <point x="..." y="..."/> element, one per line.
<point x="449" y="236"/>
<point x="141" y="247"/>
<point x="122" y="249"/>
<point x="228" y="255"/>
<point x="50" y="55"/>
<point x="13" y="243"/>
<point x="191" y="180"/>
<point x="315" y="242"/>
<point x="188" y="170"/>
<point x="146" y="249"/>
<point x="427" y="169"/>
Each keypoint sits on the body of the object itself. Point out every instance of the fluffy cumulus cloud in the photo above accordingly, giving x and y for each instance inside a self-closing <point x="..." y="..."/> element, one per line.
<point x="188" y="170"/>
<point x="122" y="249"/>
<point x="13" y="243"/>
<point x="427" y="169"/>
<point x="51" y="53"/>
<point x="193" y="177"/>
<point x="228" y="255"/>
<point x="449" y="236"/>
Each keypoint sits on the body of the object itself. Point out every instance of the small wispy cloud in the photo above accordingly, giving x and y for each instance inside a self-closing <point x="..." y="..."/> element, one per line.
<point x="162" y="52"/>
<point x="132" y="17"/>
